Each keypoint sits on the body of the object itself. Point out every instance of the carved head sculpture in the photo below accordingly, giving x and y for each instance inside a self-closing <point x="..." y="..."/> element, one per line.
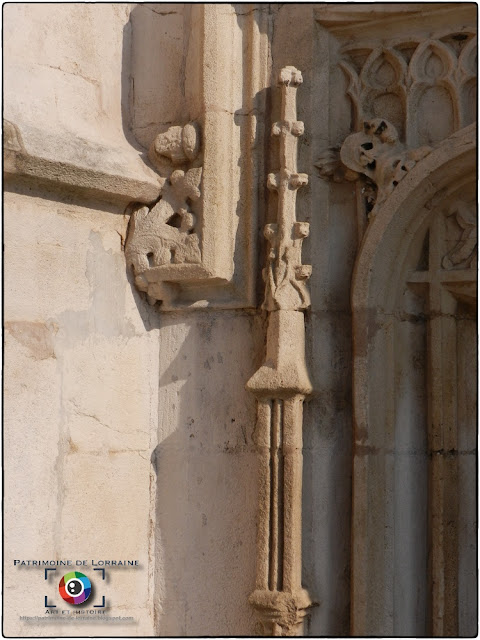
<point x="180" y="144"/>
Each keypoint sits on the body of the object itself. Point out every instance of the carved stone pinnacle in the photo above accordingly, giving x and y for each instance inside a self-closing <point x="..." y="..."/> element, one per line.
<point x="284" y="274"/>
<point x="281" y="386"/>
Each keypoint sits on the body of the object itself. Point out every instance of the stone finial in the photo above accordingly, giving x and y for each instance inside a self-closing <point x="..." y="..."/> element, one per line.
<point x="290" y="76"/>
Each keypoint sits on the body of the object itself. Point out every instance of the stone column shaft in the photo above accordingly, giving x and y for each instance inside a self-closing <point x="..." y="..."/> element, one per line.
<point x="281" y="385"/>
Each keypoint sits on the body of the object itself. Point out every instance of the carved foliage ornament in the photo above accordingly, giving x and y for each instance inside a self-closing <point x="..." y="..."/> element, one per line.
<point x="464" y="253"/>
<point x="375" y="153"/>
<point x="397" y="83"/>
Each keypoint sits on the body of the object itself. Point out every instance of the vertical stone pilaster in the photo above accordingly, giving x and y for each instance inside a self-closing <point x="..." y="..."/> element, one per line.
<point x="281" y="386"/>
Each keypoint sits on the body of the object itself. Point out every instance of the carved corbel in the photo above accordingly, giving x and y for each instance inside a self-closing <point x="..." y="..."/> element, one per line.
<point x="375" y="155"/>
<point x="164" y="235"/>
<point x="281" y="386"/>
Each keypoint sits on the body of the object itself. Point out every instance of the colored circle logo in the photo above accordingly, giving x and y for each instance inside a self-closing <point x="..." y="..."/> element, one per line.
<point x="75" y="587"/>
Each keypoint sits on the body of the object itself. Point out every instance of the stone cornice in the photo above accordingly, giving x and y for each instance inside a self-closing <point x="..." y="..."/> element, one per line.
<point x="364" y="20"/>
<point x="117" y="175"/>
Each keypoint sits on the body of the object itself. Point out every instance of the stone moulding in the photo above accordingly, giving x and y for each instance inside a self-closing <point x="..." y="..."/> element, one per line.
<point x="458" y="146"/>
<point x="375" y="286"/>
<point x="114" y="175"/>
<point x="281" y="386"/>
<point x="348" y="21"/>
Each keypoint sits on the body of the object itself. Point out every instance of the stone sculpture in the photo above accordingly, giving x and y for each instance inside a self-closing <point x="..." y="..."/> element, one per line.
<point x="375" y="153"/>
<point x="164" y="234"/>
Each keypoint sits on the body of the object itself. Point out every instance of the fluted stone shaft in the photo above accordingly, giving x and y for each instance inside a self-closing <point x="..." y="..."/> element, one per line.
<point x="281" y="386"/>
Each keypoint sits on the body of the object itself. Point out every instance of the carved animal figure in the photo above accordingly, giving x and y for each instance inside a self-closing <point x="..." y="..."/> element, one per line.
<point x="153" y="239"/>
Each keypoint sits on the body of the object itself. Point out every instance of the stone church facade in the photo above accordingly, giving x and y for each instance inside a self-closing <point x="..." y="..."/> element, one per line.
<point x="240" y="318"/>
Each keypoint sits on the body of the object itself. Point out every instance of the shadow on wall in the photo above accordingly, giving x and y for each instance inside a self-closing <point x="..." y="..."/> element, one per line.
<point x="206" y="477"/>
<point x="205" y="462"/>
<point x="326" y="501"/>
<point x="206" y="494"/>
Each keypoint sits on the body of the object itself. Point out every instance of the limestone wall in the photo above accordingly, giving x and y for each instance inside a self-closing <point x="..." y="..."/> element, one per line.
<point x="80" y="413"/>
<point x="129" y="433"/>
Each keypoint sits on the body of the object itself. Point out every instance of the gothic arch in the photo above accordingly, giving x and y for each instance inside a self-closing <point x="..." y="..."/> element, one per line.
<point x="405" y="464"/>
